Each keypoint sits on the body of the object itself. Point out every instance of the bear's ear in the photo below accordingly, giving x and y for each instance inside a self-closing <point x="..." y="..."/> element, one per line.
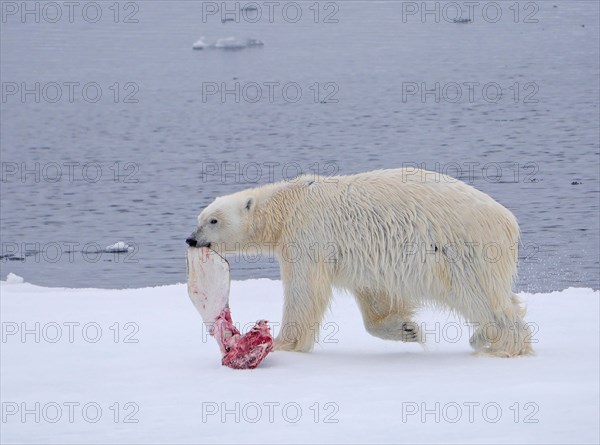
<point x="248" y="203"/>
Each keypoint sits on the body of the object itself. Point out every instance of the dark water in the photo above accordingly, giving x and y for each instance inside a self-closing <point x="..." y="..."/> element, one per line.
<point x="135" y="163"/>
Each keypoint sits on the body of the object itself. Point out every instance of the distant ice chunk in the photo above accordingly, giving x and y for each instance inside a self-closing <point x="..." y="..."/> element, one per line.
<point x="254" y="42"/>
<point x="117" y="247"/>
<point x="200" y="44"/>
<point x="14" y="279"/>
<point x="226" y="43"/>
<point x="229" y="43"/>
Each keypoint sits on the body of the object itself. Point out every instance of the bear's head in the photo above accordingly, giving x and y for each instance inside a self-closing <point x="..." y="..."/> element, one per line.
<point x="225" y="224"/>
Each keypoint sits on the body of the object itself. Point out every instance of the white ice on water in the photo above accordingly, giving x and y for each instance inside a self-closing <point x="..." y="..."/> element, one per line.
<point x="226" y="43"/>
<point x="119" y="246"/>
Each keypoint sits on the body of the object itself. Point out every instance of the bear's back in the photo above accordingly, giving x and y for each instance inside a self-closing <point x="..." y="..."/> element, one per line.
<point x="392" y="204"/>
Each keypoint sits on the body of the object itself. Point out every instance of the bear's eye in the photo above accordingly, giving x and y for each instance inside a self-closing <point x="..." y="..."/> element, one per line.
<point x="213" y="221"/>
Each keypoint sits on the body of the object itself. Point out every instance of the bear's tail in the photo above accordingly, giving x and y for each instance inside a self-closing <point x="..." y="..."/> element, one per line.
<point x="520" y="308"/>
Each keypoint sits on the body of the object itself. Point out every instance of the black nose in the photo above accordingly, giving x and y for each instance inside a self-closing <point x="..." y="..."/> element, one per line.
<point x="191" y="242"/>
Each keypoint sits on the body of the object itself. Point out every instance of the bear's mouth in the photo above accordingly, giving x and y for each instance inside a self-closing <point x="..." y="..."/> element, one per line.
<point x="193" y="243"/>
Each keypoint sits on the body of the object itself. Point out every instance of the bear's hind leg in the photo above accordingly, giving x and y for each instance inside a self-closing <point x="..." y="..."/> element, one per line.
<point x="386" y="321"/>
<point x="501" y="332"/>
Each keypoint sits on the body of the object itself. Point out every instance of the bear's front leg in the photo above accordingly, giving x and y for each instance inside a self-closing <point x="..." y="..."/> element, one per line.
<point x="283" y="345"/>
<point x="307" y="294"/>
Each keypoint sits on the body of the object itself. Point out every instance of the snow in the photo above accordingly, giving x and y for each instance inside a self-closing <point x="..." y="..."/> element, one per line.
<point x="144" y="355"/>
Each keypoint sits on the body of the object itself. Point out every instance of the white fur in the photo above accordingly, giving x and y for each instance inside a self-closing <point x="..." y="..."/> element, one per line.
<point x="396" y="239"/>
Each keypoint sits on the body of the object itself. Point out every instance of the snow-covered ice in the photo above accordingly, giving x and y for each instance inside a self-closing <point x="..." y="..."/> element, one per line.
<point x="11" y="278"/>
<point x="133" y="366"/>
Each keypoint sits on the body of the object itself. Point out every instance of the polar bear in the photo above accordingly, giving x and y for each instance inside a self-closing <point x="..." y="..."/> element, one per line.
<point x="397" y="239"/>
